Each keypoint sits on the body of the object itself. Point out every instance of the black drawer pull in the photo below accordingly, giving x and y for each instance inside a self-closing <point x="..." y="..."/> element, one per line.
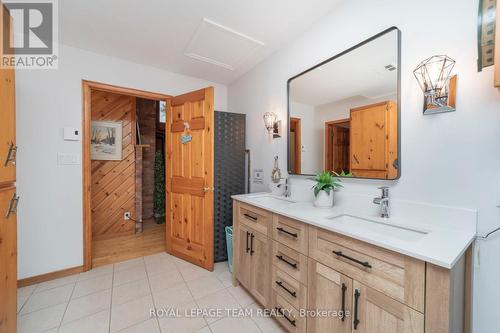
<point x="12" y="209"/>
<point x="293" y="264"/>
<point x="292" y="322"/>
<point x="247" y="247"/>
<point x="363" y="263"/>
<point x="293" y="234"/>
<point x="250" y="216"/>
<point x="344" y="288"/>
<point x="293" y="293"/>
<point x="356" y="299"/>
<point x="251" y="244"/>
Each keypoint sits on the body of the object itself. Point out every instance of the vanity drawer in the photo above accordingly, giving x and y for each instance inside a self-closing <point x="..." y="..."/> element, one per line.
<point x="291" y="233"/>
<point x="290" y="289"/>
<point x="397" y="276"/>
<point x="290" y="261"/>
<point x="289" y="318"/>
<point x="258" y="219"/>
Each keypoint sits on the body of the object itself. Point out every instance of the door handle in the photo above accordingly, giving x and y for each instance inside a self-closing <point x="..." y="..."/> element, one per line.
<point x="250" y="216"/>
<point x="291" y="292"/>
<point x="293" y="264"/>
<point x="12" y="206"/>
<point x="293" y="234"/>
<point x="247" y="248"/>
<point x="208" y="189"/>
<point x="356" y="300"/>
<point x="251" y="244"/>
<point x="11" y="155"/>
<point x="344" y="288"/>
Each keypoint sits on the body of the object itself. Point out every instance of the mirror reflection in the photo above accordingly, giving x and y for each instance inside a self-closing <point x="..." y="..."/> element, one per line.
<point x="343" y="114"/>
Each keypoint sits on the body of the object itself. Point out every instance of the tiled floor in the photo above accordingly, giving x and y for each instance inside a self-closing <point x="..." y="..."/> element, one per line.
<point x="120" y="297"/>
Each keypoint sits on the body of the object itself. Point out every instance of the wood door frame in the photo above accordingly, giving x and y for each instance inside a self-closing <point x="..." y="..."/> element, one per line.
<point x="298" y="144"/>
<point x="328" y="124"/>
<point x="87" y="88"/>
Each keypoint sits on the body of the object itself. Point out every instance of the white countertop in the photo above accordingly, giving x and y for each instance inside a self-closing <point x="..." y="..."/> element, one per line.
<point x="442" y="236"/>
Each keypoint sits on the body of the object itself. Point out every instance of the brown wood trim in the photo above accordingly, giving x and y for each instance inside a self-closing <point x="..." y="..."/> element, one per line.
<point x="469" y="275"/>
<point x="298" y="144"/>
<point x="369" y="106"/>
<point x="87" y="87"/>
<point x="192" y="96"/>
<point x="452" y="91"/>
<point x="326" y="147"/>
<point x="49" y="276"/>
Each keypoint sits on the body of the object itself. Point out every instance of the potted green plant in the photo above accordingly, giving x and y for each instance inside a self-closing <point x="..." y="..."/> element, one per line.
<point x="159" y="193"/>
<point x="324" y="189"/>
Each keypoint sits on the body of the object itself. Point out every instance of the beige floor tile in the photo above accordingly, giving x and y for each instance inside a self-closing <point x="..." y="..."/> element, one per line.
<point x="131" y="313"/>
<point x="241" y="295"/>
<point x="227" y="325"/>
<point x="225" y="278"/>
<point x="221" y="299"/>
<point x="96" y="323"/>
<point x="182" y="324"/>
<point x="87" y="305"/>
<point x="191" y="272"/>
<point x="266" y="324"/>
<point x="130" y="291"/>
<point x="148" y="326"/>
<point x="129" y="275"/>
<point x="174" y="296"/>
<point x="132" y="263"/>
<point x="204" y="286"/>
<point x="164" y="281"/>
<point x="90" y="286"/>
<point x="42" y="320"/>
<point x="95" y="272"/>
<point x="21" y="300"/>
<point x="67" y="280"/>
<point x="205" y="329"/>
<point x="26" y="291"/>
<point x="164" y="266"/>
<point x="47" y="298"/>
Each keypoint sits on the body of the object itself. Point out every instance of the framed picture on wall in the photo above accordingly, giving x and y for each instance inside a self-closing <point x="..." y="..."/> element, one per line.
<point x="106" y="140"/>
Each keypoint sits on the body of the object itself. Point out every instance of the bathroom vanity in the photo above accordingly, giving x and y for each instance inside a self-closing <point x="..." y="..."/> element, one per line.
<point x="408" y="274"/>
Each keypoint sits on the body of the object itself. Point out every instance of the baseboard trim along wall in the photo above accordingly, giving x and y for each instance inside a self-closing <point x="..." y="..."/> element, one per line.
<point x="49" y="276"/>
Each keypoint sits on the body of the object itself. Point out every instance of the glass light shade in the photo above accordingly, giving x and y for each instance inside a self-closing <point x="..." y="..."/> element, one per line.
<point x="269" y="120"/>
<point x="433" y="75"/>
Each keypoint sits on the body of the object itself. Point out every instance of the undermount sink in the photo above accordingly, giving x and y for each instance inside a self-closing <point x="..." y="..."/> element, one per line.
<point x="384" y="229"/>
<point x="271" y="199"/>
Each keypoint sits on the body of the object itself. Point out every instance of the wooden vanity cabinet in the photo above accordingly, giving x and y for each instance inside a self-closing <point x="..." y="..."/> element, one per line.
<point x="378" y="290"/>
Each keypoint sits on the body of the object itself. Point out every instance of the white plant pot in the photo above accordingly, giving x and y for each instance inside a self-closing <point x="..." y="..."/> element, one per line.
<point x="324" y="200"/>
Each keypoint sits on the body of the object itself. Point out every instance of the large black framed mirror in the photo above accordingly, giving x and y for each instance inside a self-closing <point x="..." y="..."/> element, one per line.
<point x="344" y="113"/>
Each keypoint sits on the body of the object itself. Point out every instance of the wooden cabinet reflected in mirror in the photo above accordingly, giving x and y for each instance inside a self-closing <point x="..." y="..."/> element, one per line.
<point x="344" y="115"/>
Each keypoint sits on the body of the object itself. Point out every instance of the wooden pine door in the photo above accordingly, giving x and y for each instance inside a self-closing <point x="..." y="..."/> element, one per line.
<point x="190" y="180"/>
<point x="7" y="113"/>
<point x="261" y="273"/>
<point x="8" y="260"/>
<point x="330" y="291"/>
<point x="378" y="313"/>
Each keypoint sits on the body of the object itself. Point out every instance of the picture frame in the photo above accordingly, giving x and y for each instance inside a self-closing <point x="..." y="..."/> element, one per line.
<point x="106" y="140"/>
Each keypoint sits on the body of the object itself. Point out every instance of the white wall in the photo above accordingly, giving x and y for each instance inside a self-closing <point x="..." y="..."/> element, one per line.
<point x="50" y="210"/>
<point x="451" y="159"/>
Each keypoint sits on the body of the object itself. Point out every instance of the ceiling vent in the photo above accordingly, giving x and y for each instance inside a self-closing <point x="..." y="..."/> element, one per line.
<point x="221" y="46"/>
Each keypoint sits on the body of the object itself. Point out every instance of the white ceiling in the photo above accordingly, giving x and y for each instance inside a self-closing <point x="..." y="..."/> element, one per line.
<point x="360" y="72"/>
<point x="216" y="40"/>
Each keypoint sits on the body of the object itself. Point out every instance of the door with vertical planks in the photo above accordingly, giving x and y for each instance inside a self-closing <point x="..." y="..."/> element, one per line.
<point x="189" y="175"/>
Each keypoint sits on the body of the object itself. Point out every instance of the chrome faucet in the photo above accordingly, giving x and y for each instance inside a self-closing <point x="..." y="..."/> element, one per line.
<point x="383" y="201"/>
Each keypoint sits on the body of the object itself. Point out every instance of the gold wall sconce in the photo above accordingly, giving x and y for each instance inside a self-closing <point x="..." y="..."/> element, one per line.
<point x="273" y="126"/>
<point x="437" y="83"/>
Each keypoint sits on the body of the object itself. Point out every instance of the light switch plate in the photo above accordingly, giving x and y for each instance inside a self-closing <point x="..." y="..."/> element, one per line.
<point x="68" y="159"/>
<point x="71" y="134"/>
<point x="258" y="176"/>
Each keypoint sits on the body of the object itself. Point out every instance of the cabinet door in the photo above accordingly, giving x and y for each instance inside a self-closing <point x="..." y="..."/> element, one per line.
<point x="328" y="291"/>
<point x="7" y="115"/>
<point x="244" y="269"/>
<point x="8" y="261"/>
<point x="374" y="312"/>
<point x="260" y="250"/>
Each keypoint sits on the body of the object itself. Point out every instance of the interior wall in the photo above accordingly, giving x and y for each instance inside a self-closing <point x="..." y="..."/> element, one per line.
<point x="447" y="159"/>
<point x="50" y="227"/>
<point x="146" y="117"/>
<point x="113" y="182"/>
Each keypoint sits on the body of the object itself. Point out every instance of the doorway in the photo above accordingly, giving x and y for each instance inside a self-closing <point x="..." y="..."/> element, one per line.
<point x="337" y="151"/>
<point x="295" y="145"/>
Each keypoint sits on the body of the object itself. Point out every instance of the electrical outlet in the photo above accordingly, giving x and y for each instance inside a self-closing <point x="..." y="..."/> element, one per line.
<point x="126" y="216"/>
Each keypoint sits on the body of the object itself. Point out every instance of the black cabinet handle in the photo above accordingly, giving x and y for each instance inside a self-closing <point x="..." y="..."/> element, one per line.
<point x="356" y="319"/>
<point x="344" y="288"/>
<point x="362" y="263"/>
<point x="250" y="217"/>
<point x="293" y="264"/>
<point x="247" y="247"/>
<point x="12" y="209"/>
<point x="293" y="293"/>
<point x="293" y="234"/>
<point x="251" y="244"/>
<point x="292" y="322"/>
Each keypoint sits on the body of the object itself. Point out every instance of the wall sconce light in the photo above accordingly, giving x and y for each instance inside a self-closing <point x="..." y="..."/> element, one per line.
<point x="439" y="87"/>
<point x="273" y="125"/>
